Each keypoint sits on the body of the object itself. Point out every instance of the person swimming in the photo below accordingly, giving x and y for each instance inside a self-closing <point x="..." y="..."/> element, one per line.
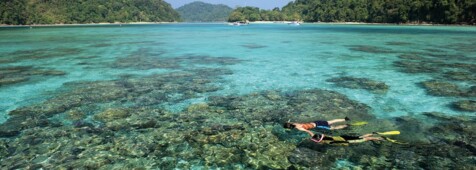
<point x="344" y="139"/>
<point x="348" y="139"/>
<point x="316" y="124"/>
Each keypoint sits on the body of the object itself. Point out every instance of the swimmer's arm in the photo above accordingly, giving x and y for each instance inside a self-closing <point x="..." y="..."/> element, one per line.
<point x="305" y="130"/>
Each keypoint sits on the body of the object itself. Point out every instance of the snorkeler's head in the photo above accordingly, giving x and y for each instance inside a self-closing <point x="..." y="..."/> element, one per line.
<point x="289" y="125"/>
<point x="317" y="137"/>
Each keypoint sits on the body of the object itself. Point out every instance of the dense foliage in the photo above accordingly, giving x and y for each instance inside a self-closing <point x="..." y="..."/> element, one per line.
<point x="204" y="12"/>
<point x="256" y="14"/>
<point x="377" y="11"/>
<point x="21" y="12"/>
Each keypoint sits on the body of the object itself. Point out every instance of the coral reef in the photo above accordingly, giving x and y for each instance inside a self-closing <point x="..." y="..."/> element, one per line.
<point x="19" y="74"/>
<point x="446" y="143"/>
<point x="398" y="43"/>
<point x="144" y="59"/>
<point x="448" y="73"/>
<point x="459" y="76"/>
<point x="415" y="66"/>
<point x="370" y="49"/>
<point x="465" y="105"/>
<point x="124" y="123"/>
<point x="440" y="88"/>
<point x="44" y="53"/>
<point x="411" y="57"/>
<point x="360" y="83"/>
<point x="253" y="46"/>
<point x="226" y="132"/>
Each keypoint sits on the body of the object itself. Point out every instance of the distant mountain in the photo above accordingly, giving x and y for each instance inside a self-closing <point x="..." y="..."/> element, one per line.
<point x="22" y="12"/>
<point x="204" y="12"/>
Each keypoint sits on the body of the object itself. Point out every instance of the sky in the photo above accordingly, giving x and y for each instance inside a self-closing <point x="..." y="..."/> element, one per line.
<point x="263" y="4"/>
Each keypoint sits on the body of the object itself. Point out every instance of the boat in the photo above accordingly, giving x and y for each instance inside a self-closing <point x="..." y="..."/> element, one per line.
<point x="240" y="23"/>
<point x="296" y="23"/>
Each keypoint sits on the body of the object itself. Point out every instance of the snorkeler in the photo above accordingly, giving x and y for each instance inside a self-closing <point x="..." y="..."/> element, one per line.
<point x="346" y="139"/>
<point x="316" y="124"/>
<point x="343" y="139"/>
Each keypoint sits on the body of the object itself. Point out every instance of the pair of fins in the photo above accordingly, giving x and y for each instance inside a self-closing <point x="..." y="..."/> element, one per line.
<point x="395" y="132"/>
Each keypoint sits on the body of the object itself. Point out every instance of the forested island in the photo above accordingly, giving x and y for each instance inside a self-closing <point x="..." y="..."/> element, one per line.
<point x="204" y="12"/>
<point x="370" y="11"/>
<point x="29" y="12"/>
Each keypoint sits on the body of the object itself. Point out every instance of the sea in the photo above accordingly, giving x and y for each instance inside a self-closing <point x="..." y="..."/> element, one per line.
<point x="243" y="80"/>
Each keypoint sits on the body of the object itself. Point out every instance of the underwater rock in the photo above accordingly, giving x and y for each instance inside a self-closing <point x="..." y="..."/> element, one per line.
<point x="45" y="72"/>
<point x="303" y="105"/>
<point x="411" y="57"/>
<point x="269" y="152"/>
<point x="471" y="92"/>
<point x="207" y="60"/>
<point x="139" y="118"/>
<point x="75" y="114"/>
<point x="253" y="46"/>
<point x="465" y="105"/>
<point x="439" y="88"/>
<point x="18" y="74"/>
<point x="100" y="45"/>
<point x="111" y="114"/>
<point x="50" y="107"/>
<point x="416" y="66"/>
<point x="14" y="69"/>
<point x="327" y="103"/>
<point x="381" y="162"/>
<point x="197" y="107"/>
<point x="4" y="148"/>
<point x="370" y="49"/>
<point x="43" y="53"/>
<point x="444" y="116"/>
<point x="15" y="124"/>
<point x="459" y="75"/>
<point x="8" y="81"/>
<point x="410" y="124"/>
<point x="273" y="95"/>
<point x="6" y="131"/>
<point x="444" y="56"/>
<point x="360" y="83"/>
<point x="306" y="157"/>
<point x="398" y="43"/>
<point x="145" y="59"/>
<point x="217" y="155"/>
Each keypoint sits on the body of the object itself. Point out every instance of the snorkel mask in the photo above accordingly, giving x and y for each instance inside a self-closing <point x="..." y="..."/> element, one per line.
<point x="287" y="129"/>
<point x="320" y="137"/>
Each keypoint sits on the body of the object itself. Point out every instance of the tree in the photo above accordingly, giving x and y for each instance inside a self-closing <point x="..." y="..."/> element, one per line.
<point x="20" y="12"/>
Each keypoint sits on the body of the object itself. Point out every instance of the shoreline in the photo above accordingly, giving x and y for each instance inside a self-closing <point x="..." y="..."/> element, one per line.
<point x="252" y="22"/>
<point x="358" y="23"/>
<point x="88" y="24"/>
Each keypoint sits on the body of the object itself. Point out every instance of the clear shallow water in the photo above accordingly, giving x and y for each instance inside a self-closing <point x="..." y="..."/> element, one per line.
<point x="135" y="67"/>
<point x="276" y="57"/>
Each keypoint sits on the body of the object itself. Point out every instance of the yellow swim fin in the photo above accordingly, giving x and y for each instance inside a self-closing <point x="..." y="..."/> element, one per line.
<point x="395" y="132"/>
<point x="393" y="141"/>
<point x="358" y="123"/>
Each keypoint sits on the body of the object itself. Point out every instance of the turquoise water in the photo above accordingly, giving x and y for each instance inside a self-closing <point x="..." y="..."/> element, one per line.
<point x="286" y="58"/>
<point x="235" y="61"/>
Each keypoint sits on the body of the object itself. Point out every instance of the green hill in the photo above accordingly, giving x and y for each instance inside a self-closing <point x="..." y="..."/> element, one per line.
<point x="372" y="11"/>
<point x="204" y="12"/>
<point x="22" y="12"/>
